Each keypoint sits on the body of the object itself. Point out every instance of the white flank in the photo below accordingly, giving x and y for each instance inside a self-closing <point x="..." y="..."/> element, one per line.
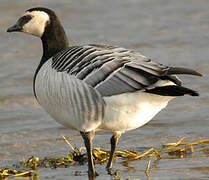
<point x="161" y="83"/>
<point x="37" y="24"/>
<point x="131" y="110"/>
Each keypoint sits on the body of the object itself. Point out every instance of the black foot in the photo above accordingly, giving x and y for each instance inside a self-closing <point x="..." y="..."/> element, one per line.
<point x="92" y="176"/>
<point x="109" y="171"/>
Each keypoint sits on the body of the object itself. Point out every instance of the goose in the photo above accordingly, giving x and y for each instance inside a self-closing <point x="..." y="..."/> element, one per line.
<point x="97" y="87"/>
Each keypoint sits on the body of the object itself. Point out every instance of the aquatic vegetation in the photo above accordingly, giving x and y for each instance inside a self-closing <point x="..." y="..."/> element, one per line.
<point x="30" y="167"/>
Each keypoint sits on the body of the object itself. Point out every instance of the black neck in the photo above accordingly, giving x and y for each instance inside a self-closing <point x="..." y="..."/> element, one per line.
<point x="53" y="40"/>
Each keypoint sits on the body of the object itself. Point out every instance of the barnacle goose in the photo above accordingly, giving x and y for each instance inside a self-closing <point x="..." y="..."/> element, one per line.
<point x="97" y="87"/>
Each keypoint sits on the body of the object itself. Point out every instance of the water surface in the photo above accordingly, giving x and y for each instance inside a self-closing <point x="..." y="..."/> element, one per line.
<point x="171" y="32"/>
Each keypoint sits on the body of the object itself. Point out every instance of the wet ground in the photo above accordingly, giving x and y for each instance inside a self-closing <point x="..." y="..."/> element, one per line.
<point x="171" y="32"/>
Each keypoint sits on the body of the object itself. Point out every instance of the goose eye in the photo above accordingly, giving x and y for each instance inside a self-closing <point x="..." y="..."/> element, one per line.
<point x="24" y="19"/>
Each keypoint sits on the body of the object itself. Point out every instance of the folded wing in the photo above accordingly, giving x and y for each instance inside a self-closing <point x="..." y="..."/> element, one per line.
<point x="113" y="70"/>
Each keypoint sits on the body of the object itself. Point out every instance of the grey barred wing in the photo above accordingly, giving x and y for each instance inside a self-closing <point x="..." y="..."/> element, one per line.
<point x="111" y="70"/>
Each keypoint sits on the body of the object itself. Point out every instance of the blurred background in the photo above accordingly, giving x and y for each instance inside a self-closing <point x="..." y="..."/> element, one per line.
<point x="170" y="32"/>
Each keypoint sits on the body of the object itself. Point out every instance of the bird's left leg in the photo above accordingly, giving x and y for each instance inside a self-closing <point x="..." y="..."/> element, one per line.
<point x="114" y="142"/>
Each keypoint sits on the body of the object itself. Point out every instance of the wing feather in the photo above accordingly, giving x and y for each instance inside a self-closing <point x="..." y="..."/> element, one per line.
<point x="113" y="70"/>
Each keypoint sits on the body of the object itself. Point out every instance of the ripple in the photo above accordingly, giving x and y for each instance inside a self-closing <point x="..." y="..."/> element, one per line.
<point x="18" y="102"/>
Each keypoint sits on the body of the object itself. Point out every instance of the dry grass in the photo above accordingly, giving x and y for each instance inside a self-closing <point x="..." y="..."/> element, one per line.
<point x="179" y="149"/>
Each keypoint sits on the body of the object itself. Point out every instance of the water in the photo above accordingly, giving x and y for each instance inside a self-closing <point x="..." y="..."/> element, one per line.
<point x="171" y="32"/>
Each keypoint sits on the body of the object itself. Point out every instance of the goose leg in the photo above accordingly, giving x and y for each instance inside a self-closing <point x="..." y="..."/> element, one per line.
<point x="114" y="142"/>
<point x="88" y="137"/>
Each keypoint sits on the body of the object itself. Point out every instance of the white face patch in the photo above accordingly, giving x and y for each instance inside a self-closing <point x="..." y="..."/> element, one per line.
<point x="37" y="24"/>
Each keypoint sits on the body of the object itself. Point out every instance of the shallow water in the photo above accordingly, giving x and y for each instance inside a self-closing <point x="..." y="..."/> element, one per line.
<point x="171" y="32"/>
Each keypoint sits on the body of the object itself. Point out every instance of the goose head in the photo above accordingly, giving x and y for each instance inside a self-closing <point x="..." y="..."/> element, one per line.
<point x="43" y="23"/>
<point x="34" y="21"/>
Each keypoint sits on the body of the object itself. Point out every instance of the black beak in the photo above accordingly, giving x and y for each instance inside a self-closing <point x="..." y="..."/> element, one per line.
<point x="14" y="28"/>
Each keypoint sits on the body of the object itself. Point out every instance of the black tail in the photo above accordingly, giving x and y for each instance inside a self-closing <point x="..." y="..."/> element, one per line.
<point x="172" y="91"/>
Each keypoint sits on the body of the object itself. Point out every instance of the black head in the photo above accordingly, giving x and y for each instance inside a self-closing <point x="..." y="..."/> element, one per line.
<point x="43" y="22"/>
<point x="34" y="21"/>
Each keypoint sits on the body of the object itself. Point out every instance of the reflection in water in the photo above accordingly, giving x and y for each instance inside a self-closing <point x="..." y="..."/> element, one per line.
<point x="35" y="176"/>
<point x="150" y="168"/>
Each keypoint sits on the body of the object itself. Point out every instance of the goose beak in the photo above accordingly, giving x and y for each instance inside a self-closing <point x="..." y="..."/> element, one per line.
<point x="14" y="28"/>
